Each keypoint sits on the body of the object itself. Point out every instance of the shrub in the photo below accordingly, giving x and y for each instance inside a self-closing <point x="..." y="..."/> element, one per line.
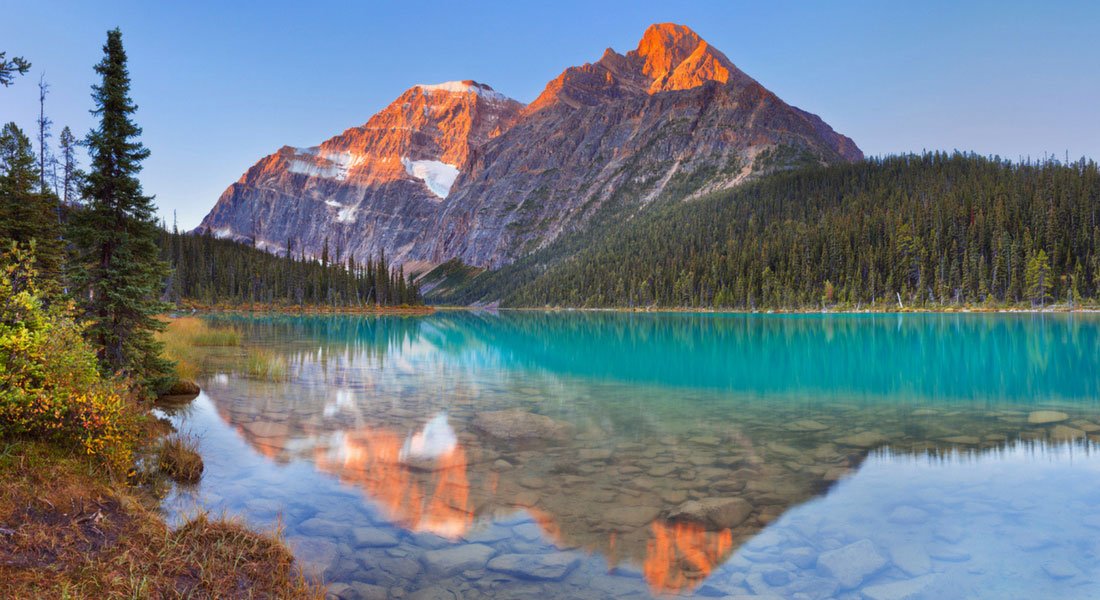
<point x="50" y="386"/>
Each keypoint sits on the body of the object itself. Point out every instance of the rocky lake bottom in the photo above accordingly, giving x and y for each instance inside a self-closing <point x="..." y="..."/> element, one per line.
<point x="451" y="460"/>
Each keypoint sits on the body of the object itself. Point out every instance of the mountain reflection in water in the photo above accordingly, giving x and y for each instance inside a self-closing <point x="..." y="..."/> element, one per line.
<point x="692" y="474"/>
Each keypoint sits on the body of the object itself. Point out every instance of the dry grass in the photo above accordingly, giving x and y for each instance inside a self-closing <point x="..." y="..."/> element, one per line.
<point x="66" y="532"/>
<point x="178" y="457"/>
<point x="265" y="365"/>
<point x="185" y="339"/>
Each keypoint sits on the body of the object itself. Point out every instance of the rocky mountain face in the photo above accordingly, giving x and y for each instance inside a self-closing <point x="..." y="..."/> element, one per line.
<point x="458" y="170"/>
<point x="372" y="189"/>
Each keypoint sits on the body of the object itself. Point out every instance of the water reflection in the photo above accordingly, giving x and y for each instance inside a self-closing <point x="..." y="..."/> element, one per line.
<point x="693" y="441"/>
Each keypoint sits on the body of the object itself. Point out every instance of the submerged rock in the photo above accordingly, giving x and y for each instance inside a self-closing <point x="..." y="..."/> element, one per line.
<point x="866" y="439"/>
<point x="850" y="564"/>
<point x="1042" y="417"/>
<point x="806" y="425"/>
<point x="516" y="424"/>
<point x="909" y="589"/>
<point x="715" y="513"/>
<point x="911" y="558"/>
<point x="451" y="561"/>
<point x="1064" y="433"/>
<point x="545" y="567"/>
<point x="1060" y="568"/>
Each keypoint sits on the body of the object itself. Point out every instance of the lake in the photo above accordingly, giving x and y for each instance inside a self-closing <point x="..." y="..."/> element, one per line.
<point x="617" y="455"/>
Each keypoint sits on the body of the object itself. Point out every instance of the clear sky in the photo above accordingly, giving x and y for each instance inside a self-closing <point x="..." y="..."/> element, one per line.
<point x="221" y="84"/>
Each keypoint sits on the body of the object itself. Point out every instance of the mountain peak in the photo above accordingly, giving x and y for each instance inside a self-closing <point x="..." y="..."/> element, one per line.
<point x="669" y="57"/>
<point x="676" y="58"/>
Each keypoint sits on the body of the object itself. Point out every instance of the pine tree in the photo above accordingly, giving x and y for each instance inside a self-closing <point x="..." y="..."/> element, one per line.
<point x="26" y="215"/>
<point x="118" y="271"/>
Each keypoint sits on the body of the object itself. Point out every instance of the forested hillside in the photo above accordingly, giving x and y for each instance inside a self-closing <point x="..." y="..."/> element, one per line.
<point x="212" y="271"/>
<point x="928" y="230"/>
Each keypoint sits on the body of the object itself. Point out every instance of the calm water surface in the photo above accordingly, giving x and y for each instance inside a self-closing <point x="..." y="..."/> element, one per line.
<point x="546" y="455"/>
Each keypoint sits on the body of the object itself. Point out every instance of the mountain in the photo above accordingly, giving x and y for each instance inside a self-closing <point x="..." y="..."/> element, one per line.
<point x="458" y="171"/>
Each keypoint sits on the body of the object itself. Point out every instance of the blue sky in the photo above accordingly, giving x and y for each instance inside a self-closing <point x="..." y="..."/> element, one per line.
<point x="221" y="84"/>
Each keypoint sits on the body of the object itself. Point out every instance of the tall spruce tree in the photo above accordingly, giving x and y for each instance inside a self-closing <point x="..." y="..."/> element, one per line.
<point x="118" y="271"/>
<point x="26" y="215"/>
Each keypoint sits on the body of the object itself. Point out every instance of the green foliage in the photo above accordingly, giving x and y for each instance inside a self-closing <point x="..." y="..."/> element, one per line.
<point x="50" y="386"/>
<point x="117" y="272"/>
<point x="212" y="271"/>
<point x="932" y="230"/>
<point x="9" y="68"/>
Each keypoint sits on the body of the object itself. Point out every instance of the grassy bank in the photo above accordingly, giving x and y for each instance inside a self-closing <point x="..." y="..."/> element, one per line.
<point x="68" y="531"/>
<point x="81" y="460"/>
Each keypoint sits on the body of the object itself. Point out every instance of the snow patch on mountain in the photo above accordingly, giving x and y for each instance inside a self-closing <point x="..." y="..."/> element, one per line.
<point x="463" y="87"/>
<point x="438" y="176"/>
<point x="330" y="165"/>
<point x="346" y="214"/>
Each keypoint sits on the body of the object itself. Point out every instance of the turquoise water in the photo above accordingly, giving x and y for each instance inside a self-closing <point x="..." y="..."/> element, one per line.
<point x="609" y="455"/>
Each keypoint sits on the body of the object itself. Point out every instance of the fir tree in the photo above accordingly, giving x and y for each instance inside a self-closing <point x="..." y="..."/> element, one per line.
<point x="119" y="272"/>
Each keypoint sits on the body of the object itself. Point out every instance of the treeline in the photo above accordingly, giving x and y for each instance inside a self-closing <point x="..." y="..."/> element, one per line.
<point x="213" y="271"/>
<point x="924" y="230"/>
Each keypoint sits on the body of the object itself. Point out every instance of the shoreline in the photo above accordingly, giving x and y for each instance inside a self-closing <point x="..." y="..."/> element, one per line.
<point x="195" y="308"/>
<point x="1060" y="309"/>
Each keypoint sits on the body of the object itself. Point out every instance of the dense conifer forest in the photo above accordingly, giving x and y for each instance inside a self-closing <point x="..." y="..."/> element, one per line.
<point x="213" y="271"/>
<point x="917" y="230"/>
